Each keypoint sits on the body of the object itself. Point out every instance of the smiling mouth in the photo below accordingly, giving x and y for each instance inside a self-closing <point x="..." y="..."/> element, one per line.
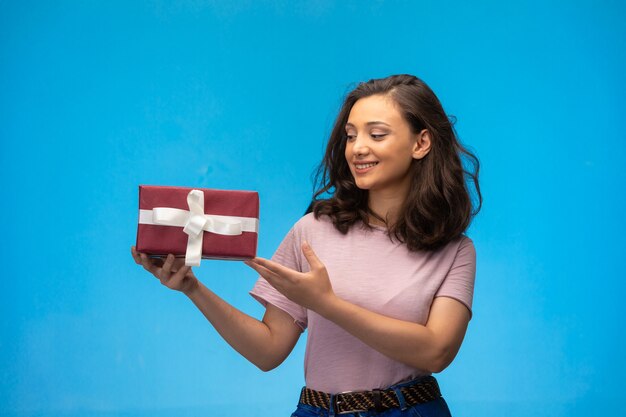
<point x="365" y="166"/>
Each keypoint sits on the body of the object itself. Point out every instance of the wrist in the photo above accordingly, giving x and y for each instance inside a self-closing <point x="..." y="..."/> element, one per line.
<point x="193" y="289"/>
<point x="327" y="305"/>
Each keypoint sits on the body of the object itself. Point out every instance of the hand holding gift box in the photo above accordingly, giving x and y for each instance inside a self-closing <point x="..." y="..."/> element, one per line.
<point x="197" y="223"/>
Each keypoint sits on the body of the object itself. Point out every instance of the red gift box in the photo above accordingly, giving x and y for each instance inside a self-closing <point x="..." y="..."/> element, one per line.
<point x="172" y="220"/>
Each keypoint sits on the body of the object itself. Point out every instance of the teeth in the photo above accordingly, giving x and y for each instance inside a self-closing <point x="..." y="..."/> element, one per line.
<point x="363" y="166"/>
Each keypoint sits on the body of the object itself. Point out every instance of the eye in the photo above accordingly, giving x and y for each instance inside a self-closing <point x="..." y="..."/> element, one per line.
<point x="350" y="138"/>
<point x="378" y="136"/>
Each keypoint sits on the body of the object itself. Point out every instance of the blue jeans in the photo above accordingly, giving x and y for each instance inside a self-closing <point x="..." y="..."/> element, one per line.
<point x="435" y="408"/>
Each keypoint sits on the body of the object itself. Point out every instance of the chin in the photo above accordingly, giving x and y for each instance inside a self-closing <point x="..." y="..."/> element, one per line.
<point x="364" y="184"/>
<point x="364" y="187"/>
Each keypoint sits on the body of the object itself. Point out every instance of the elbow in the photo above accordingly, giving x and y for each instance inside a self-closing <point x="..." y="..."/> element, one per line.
<point x="268" y="365"/>
<point x="440" y="361"/>
<point x="437" y="366"/>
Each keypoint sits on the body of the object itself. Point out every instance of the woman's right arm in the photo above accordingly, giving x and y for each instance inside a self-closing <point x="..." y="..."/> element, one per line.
<point x="265" y="343"/>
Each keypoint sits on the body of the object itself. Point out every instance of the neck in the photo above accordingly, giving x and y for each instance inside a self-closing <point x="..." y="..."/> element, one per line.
<point x="386" y="206"/>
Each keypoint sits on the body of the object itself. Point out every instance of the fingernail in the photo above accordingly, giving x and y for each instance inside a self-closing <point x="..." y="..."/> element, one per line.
<point x="170" y="257"/>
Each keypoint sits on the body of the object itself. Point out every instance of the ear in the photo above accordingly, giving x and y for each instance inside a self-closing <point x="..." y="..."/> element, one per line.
<point x="422" y="144"/>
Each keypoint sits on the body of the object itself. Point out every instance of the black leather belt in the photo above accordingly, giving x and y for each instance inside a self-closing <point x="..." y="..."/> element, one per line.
<point x="422" y="391"/>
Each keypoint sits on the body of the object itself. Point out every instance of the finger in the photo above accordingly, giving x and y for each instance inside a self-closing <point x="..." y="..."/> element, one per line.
<point x="176" y="279"/>
<point x="311" y="257"/>
<point x="166" y="270"/>
<point x="254" y="265"/>
<point x="270" y="276"/>
<point x="135" y="255"/>
<point x="274" y="267"/>
<point x="148" y="265"/>
<point x="178" y="263"/>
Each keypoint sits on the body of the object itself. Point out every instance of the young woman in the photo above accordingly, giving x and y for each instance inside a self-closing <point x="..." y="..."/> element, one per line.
<point x="380" y="273"/>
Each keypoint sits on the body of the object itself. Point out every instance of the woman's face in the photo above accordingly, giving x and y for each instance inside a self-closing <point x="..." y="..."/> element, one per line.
<point x="380" y="145"/>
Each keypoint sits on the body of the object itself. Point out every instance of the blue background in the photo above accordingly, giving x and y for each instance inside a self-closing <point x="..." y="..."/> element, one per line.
<point x="98" y="97"/>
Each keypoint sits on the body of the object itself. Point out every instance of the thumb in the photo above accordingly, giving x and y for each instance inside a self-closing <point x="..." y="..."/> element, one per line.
<point x="311" y="257"/>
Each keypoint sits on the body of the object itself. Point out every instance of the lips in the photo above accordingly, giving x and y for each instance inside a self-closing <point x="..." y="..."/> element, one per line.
<point x="364" y="166"/>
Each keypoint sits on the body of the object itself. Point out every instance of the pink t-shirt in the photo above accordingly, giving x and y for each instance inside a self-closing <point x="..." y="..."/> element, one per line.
<point x="368" y="269"/>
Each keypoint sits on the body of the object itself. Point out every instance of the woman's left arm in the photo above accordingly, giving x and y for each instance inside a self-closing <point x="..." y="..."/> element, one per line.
<point x="430" y="347"/>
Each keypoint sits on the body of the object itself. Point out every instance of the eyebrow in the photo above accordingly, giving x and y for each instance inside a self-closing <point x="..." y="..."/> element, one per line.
<point x="374" y="122"/>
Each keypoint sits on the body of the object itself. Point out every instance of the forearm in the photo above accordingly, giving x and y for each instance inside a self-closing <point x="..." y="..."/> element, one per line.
<point x="407" y="342"/>
<point x="249" y="336"/>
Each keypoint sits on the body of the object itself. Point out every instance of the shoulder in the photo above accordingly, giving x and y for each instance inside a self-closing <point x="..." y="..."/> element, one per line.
<point x="459" y="249"/>
<point x="311" y="229"/>
<point x="308" y="222"/>
<point x="466" y="243"/>
<point x="462" y="242"/>
<point x="462" y="250"/>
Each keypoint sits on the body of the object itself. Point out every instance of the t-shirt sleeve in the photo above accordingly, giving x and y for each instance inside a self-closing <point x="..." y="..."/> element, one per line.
<point x="288" y="254"/>
<point x="459" y="283"/>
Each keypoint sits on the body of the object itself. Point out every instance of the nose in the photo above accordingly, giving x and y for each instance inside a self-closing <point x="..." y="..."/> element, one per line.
<point x="359" y="146"/>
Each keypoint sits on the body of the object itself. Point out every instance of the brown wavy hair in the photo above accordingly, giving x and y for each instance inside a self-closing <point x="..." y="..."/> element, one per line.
<point x="438" y="207"/>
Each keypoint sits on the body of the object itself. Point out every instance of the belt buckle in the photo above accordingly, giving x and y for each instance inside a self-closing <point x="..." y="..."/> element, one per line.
<point x="337" y="401"/>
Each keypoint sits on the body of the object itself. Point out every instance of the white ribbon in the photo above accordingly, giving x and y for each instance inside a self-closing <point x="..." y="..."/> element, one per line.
<point x="194" y="223"/>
